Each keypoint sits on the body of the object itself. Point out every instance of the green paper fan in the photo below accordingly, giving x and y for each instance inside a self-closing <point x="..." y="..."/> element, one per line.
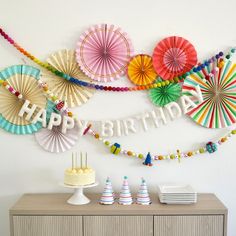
<point x="163" y="95"/>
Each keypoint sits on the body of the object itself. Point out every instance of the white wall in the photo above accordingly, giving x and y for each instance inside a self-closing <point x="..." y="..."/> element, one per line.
<point x="45" y="26"/>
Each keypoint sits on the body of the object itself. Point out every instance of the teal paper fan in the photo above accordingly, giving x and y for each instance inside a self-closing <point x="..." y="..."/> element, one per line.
<point x="161" y="96"/>
<point x="19" y="129"/>
<point x="23" y="79"/>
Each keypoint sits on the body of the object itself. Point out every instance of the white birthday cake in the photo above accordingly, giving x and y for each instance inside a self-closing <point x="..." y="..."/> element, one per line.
<point x="79" y="175"/>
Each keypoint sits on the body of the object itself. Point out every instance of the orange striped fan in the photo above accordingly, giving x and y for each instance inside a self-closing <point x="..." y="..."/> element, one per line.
<point x="140" y="70"/>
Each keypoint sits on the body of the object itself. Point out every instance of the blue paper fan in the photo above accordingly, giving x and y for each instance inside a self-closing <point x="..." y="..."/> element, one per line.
<point x="22" y="78"/>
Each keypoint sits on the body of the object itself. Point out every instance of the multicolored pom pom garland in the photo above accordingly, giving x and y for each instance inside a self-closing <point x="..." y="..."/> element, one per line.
<point x="47" y="66"/>
<point x="210" y="147"/>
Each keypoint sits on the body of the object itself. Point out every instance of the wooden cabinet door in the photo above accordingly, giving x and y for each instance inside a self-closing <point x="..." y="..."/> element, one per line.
<point x="47" y="226"/>
<point x="118" y="225"/>
<point x="198" y="225"/>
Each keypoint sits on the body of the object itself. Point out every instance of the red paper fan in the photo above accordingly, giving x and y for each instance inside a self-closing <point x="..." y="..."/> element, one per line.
<point x="173" y="56"/>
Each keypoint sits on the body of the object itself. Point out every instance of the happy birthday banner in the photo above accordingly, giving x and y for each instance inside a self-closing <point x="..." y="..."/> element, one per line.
<point x="109" y="127"/>
<point x="34" y="101"/>
<point x="142" y="122"/>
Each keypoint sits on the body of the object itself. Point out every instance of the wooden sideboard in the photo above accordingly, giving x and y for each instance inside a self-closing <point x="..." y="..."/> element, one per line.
<point x="50" y="215"/>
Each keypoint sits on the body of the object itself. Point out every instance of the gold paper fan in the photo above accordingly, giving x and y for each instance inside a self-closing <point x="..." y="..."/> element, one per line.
<point x="72" y="94"/>
<point x="23" y="79"/>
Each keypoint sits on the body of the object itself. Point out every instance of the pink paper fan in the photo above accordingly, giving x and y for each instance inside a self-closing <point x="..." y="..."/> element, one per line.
<point x="174" y="56"/>
<point x="103" y="52"/>
<point x="55" y="141"/>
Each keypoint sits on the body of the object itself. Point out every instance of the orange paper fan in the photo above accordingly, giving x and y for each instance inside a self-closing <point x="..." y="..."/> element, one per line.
<point x="140" y="70"/>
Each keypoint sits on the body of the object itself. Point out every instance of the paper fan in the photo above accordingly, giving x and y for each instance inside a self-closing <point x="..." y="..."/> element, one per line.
<point x="103" y="52"/>
<point x="174" y="56"/>
<point x="23" y="79"/>
<point x="74" y="95"/>
<point x="218" y="108"/>
<point x="55" y="141"/>
<point x="163" y="95"/>
<point x="140" y="70"/>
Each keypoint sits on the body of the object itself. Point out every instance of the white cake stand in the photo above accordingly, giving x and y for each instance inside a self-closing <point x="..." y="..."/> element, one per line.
<point x="78" y="198"/>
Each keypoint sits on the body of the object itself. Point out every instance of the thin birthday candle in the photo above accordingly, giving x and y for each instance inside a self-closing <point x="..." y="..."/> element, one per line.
<point x="76" y="159"/>
<point x="72" y="161"/>
<point x="86" y="160"/>
<point x="81" y="163"/>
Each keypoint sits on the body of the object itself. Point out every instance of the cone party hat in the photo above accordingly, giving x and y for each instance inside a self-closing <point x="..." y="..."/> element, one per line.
<point x="109" y="186"/>
<point x="107" y="197"/>
<point x="125" y="197"/>
<point x="143" y="195"/>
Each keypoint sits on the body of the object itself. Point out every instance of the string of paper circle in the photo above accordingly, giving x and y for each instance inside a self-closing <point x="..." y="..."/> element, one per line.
<point x="34" y="101"/>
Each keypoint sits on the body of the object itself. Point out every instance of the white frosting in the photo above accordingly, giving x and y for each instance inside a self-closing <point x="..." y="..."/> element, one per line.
<point x="79" y="176"/>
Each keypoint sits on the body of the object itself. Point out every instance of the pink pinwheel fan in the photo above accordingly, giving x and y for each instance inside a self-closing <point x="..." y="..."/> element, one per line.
<point x="174" y="56"/>
<point x="103" y="52"/>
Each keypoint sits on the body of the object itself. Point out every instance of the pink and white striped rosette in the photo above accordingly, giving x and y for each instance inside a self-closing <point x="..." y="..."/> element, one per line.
<point x="103" y="52"/>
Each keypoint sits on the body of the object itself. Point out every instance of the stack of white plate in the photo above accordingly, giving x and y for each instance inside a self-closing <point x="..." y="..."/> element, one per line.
<point x="177" y="194"/>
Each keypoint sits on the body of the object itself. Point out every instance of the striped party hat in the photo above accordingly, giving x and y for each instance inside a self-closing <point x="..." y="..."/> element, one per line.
<point x="143" y="195"/>
<point x="125" y="197"/>
<point x="107" y="197"/>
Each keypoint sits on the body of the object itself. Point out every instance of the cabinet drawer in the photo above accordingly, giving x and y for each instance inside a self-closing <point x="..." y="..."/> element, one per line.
<point x="47" y="226"/>
<point x="198" y="225"/>
<point x="118" y="225"/>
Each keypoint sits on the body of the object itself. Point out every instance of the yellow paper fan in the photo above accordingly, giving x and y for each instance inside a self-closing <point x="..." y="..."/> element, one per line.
<point x="74" y="95"/>
<point x="23" y="79"/>
<point x="140" y="70"/>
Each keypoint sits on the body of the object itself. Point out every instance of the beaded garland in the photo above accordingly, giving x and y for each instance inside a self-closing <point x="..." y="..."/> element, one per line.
<point x="11" y="89"/>
<point x="210" y="147"/>
<point x="115" y="148"/>
<point x="47" y="66"/>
